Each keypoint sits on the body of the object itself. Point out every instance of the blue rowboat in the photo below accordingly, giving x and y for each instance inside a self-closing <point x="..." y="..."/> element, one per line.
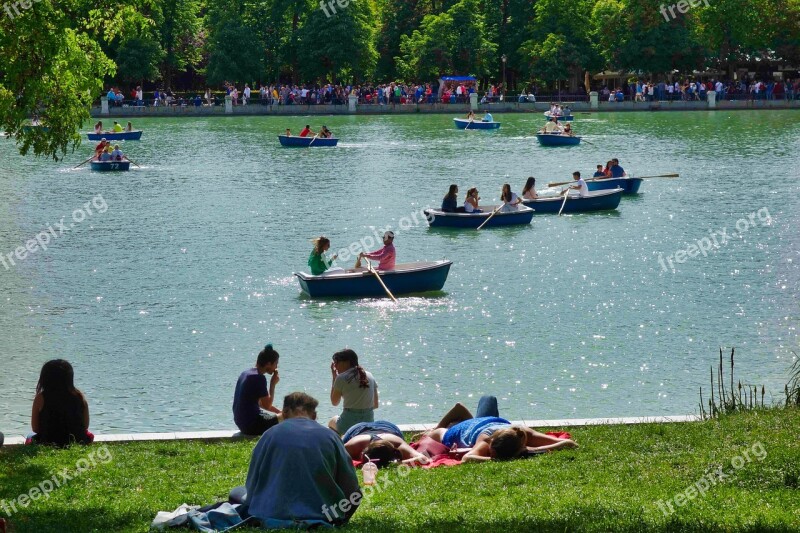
<point x="305" y="142"/>
<point x="122" y="136"/>
<point x="464" y="124"/>
<point x="510" y="217"/>
<point x="628" y="185"/>
<point x="406" y="278"/>
<point x="561" y="118"/>
<point x="556" y="139"/>
<point x="111" y="166"/>
<point x="595" y="201"/>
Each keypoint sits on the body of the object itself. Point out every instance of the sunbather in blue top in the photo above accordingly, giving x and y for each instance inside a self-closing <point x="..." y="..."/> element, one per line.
<point x="466" y="433"/>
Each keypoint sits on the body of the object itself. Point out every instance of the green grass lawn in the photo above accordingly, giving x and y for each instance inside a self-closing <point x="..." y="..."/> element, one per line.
<point x="613" y="482"/>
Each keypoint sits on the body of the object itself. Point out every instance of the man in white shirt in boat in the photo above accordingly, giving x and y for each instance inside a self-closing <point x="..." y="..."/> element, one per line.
<point x="552" y="126"/>
<point x="580" y="185"/>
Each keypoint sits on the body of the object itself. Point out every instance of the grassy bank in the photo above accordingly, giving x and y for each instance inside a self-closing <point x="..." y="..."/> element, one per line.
<point x="614" y="481"/>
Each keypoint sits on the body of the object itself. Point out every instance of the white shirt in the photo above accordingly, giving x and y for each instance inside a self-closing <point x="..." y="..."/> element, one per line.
<point x="247" y="92"/>
<point x="583" y="188"/>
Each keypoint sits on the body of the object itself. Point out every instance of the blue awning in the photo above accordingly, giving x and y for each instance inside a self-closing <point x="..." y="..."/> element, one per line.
<point x="458" y="78"/>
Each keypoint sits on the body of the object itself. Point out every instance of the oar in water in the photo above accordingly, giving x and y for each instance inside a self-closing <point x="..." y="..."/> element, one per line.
<point x="84" y="162"/>
<point x="314" y="139"/>
<point x="132" y="161"/>
<point x="490" y="217"/>
<point x="372" y="269"/>
<point x="566" y="195"/>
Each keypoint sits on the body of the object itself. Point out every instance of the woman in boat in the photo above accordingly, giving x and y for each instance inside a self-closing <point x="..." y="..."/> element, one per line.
<point x="471" y="115"/>
<point x="98" y="128"/>
<point x="381" y="442"/>
<point x="450" y="201"/>
<point x="60" y="413"/>
<point x="471" y="202"/>
<point x="129" y="127"/>
<point x="317" y="261"/>
<point x="491" y="437"/>
<point x="568" y="130"/>
<point x="607" y="170"/>
<point x="510" y="200"/>
<point x="351" y="383"/>
<point x="529" y="191"/>
<point x="325" y="133"/>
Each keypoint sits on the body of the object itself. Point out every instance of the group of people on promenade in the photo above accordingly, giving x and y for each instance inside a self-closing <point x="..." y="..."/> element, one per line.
<point x="697" y="90"/>
<point x="300" y="470"/>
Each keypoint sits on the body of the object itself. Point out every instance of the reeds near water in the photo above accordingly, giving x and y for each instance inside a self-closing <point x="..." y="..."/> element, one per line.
<point x="729" y="398"/>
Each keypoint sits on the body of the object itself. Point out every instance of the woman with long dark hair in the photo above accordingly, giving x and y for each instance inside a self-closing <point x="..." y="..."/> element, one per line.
<point x="450" y="201"/>
<point x="60" y="413"/>
<point x="529" y="191"/>
<point x="354" y="385"/>
<point x="510" y="200"/>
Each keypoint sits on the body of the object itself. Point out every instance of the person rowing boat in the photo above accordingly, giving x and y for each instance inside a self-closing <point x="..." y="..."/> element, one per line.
<point x="307" y="131"/>
<point x="580" y="185"/>
<point x="552" y="127"/>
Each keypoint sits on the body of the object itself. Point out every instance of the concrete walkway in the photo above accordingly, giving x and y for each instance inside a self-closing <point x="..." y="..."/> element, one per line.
<point x="223" y="435"/>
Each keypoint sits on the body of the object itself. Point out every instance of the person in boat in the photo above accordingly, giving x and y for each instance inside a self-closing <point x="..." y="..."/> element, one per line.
<point x="599" y="173"/>
<point x="325" y="133"/>
<point x="567" y="111"/>
<point x="552" y="127"/>
<point x="487" y="117"/>
<point x="616" y="170"/>
<point x="471" y="116"/>
<point x="580" y="185"/>
<point x="106" y="155"/>
<point x="568" y="130"/>
<point x="317" y="261"/>
<point x="117" y="154"/>
<point x="300" y="472"/>
<point x="306" y="131"/>
<point x="288" y="132"/>
<point x="491" y="437"/>
<point x="381" y="442"/>
<point x="118" y="127"/>
<point x="60" y="414"/>
<point x="471" y="201"/>
<point x="529" y="191"/>
<point x="129" y="127"/>
<point x="100" y="147"/>
<point x="385" y="255"/>
<point x="98" y="128"/>
<point x="510" y="200"/>
<point x="450" y="201"/>
<point x="253" y="409"/>
<point x="357" y="387"/>
<point x="607" y="170"/>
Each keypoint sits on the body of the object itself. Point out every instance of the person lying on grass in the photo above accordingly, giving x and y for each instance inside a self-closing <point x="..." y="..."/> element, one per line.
<point x="491" y="437"/>
<point x="380" y="442"/>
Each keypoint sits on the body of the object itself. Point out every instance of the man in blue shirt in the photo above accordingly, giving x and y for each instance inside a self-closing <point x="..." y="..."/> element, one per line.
<point x="599" y="173"/>
<point x="616" y="170"/>
<point x="301" y="472"/>
<point x="253" y="411"/>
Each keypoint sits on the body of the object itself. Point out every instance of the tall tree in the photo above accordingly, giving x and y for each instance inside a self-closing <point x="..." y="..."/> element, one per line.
<point x="51" y="68"/>
<point x="340" y="45"/>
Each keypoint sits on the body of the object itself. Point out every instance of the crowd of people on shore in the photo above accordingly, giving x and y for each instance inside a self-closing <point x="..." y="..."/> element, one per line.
<point x="315" y="464"/>
<point x="697" y="90"/>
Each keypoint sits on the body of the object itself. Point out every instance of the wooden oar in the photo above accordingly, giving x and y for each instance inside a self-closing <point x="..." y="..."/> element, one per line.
<point x="566" y="195"/>
<point x="661" y="176"/>
<point x="560" y="183"/>
<point x="132" y="161"/>
<point x="490" y="217"/>
<point x="371" y="269"/>
<point x="84" y="162"/>
<point x="314" y="139"/>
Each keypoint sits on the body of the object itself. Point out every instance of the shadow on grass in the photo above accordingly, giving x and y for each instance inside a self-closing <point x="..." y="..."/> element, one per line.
<point x="83" y="520"/>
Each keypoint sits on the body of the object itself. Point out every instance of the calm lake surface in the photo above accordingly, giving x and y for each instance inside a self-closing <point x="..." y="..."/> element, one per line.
<point x="163" y="299"/>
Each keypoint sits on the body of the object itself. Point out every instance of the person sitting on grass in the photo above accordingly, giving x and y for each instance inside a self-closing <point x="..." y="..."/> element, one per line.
<point x="354" y="385"/>
<point x="380" y="442"/>
<point x="253" y="411"/>
<point x="60" y="414"/>
<point x="300" y="472"/>
<point x="491" y="437"/>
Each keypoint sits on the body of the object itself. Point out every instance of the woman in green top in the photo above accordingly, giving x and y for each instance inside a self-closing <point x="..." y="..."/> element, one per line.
<point x="317" y="260"/>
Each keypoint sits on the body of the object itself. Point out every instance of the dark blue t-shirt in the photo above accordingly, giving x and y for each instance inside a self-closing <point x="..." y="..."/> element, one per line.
<point x="598" y="174"/>
<point x="250" y="388"/>
<point x="449" y="204"/>
<point x="617" y="171"/>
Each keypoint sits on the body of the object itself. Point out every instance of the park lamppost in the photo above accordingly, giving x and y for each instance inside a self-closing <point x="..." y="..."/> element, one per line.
<point x="504" y="58"/>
